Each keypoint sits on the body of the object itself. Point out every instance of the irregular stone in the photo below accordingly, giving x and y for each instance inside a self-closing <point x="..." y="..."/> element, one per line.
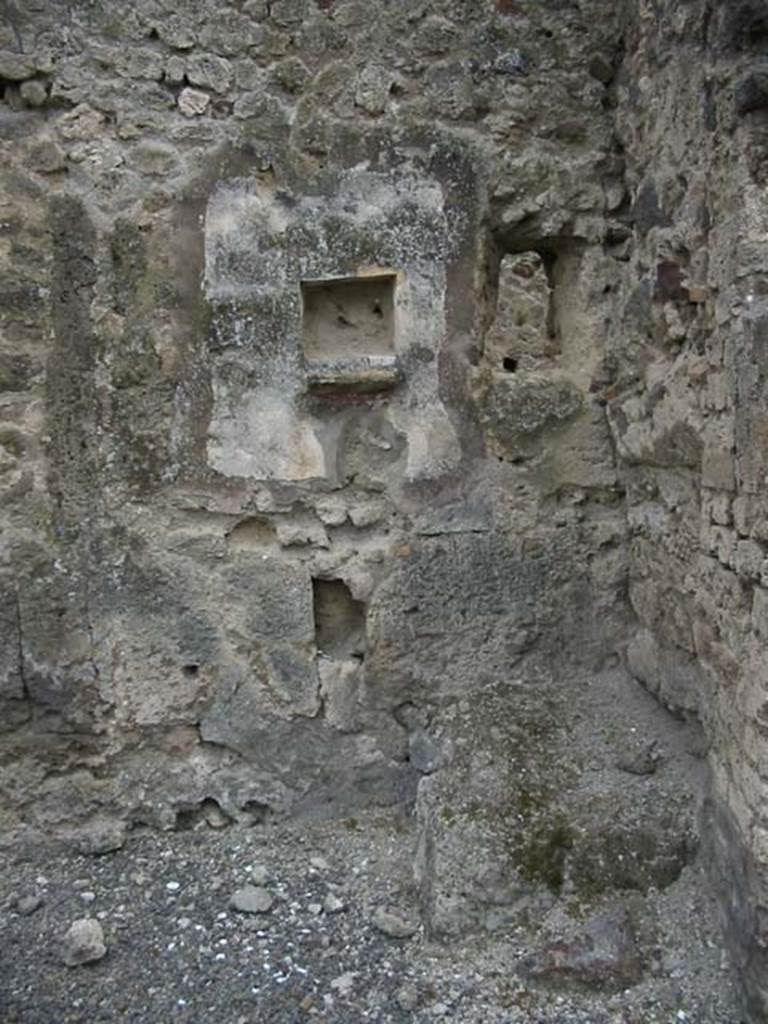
<point x="33" y="93"/>
<point x="83" y="122"/>
<point x="396" y="923"/>
<point x="47" y="157"/>
<point x="367" y="514"/>
<point x="214" y="816"/>
<point x="372" y="90"/>
<point x="717" y="469"/>
<point x="155" y="157"/>
<point x="27" y="905"/>
<point x="142" y="63"/>
<point x="519" y="406"/>
<point x="291" y="74"/>
<point x="100" y="836"/>
<point x="760" y="612"/>
<point x="344" y="983"/>
<point x="331" y="512"/>
<point x="647" y="212"/>
<point x="176" y="31"/>
<point x="259" y="874"/>
<point x="249" y="104"/>
<point x="15" y="67"/>
<point x="299" y="535"/>
<point x="252" y="899"/>
<point x="602" y="956"/>
<point x="514" y="63"/>
<point x="288" y="12"/>
<point x="83" y="943"/>
<point x="209" y="71"/>
<point x="425" y="754"/>
<point x="231" y="33"/>
<point x="407" y="997"/>
<point x="193" y="102"/>
<point x="333" y="905"/>
<point x="175" y="70"/>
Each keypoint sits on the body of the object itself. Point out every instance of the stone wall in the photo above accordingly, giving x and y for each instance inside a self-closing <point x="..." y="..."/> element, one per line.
<point x="373" y="386"/>
<point x="686" y="408"/>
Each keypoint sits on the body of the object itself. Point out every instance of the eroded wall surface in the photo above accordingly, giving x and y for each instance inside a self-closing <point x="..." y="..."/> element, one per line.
<point x="374" y="386"/>
<point x="687" y="410"/>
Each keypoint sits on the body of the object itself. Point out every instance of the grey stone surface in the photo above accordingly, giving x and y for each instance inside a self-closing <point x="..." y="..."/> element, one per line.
<point x="531" y="444"/>
<point x="27" y="905"/>
<point x="185" y="944"/>
<point x="395" y="923"/>
<point x="602" y="953"/>
<point x="83" y="943"/>
<point x="252" y="900"/>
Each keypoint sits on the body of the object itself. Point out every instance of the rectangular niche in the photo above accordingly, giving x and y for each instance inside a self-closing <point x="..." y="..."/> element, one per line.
<point x="348" y="333"/>
<point x="339" y="620"/>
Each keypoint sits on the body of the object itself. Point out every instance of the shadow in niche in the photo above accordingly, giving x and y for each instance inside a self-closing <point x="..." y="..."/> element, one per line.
<point x="339" y="620"/>
<point x="521" y="281"/>
<point x="208" y="812"/>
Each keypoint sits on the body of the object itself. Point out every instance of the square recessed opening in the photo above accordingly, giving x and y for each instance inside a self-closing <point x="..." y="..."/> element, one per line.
<point x="339" y="620"/>
<point x="348" y="318"/>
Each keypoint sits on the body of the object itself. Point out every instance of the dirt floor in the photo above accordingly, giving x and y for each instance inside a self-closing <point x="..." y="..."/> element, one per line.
<point x="177" y="950"/>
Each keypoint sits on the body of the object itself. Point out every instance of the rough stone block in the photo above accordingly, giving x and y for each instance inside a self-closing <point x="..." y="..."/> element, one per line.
<point x="717" y="468"/>
<point x="209" y="71"/>
<point x="193" y="102"/>
<point x="15" y="67"/>
<point x="760" y="612"/>
<point x="750" y="559"/>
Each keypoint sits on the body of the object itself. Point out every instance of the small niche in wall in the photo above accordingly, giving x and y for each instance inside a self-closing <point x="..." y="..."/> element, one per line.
<point x="349" y="317"/>
<point x="251" y="535"/>
<point x="339" y="620"/>
<point x="522" y="336"/>
<point x="348" y="333"/>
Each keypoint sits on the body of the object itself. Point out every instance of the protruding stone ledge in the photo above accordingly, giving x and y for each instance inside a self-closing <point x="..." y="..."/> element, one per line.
<point x="361" y="375"/>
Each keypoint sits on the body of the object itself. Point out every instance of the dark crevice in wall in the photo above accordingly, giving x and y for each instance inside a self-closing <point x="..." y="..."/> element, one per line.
<point x="208" y="811"/>
<point x="339" y="620"/>
<point x="20" y="642"/>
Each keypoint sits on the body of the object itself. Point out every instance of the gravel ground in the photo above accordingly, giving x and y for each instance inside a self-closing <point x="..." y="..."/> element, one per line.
<point x="177" y="951"/>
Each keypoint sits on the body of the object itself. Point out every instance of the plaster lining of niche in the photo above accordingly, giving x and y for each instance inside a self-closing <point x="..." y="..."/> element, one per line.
<point x="348" y="333"/>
